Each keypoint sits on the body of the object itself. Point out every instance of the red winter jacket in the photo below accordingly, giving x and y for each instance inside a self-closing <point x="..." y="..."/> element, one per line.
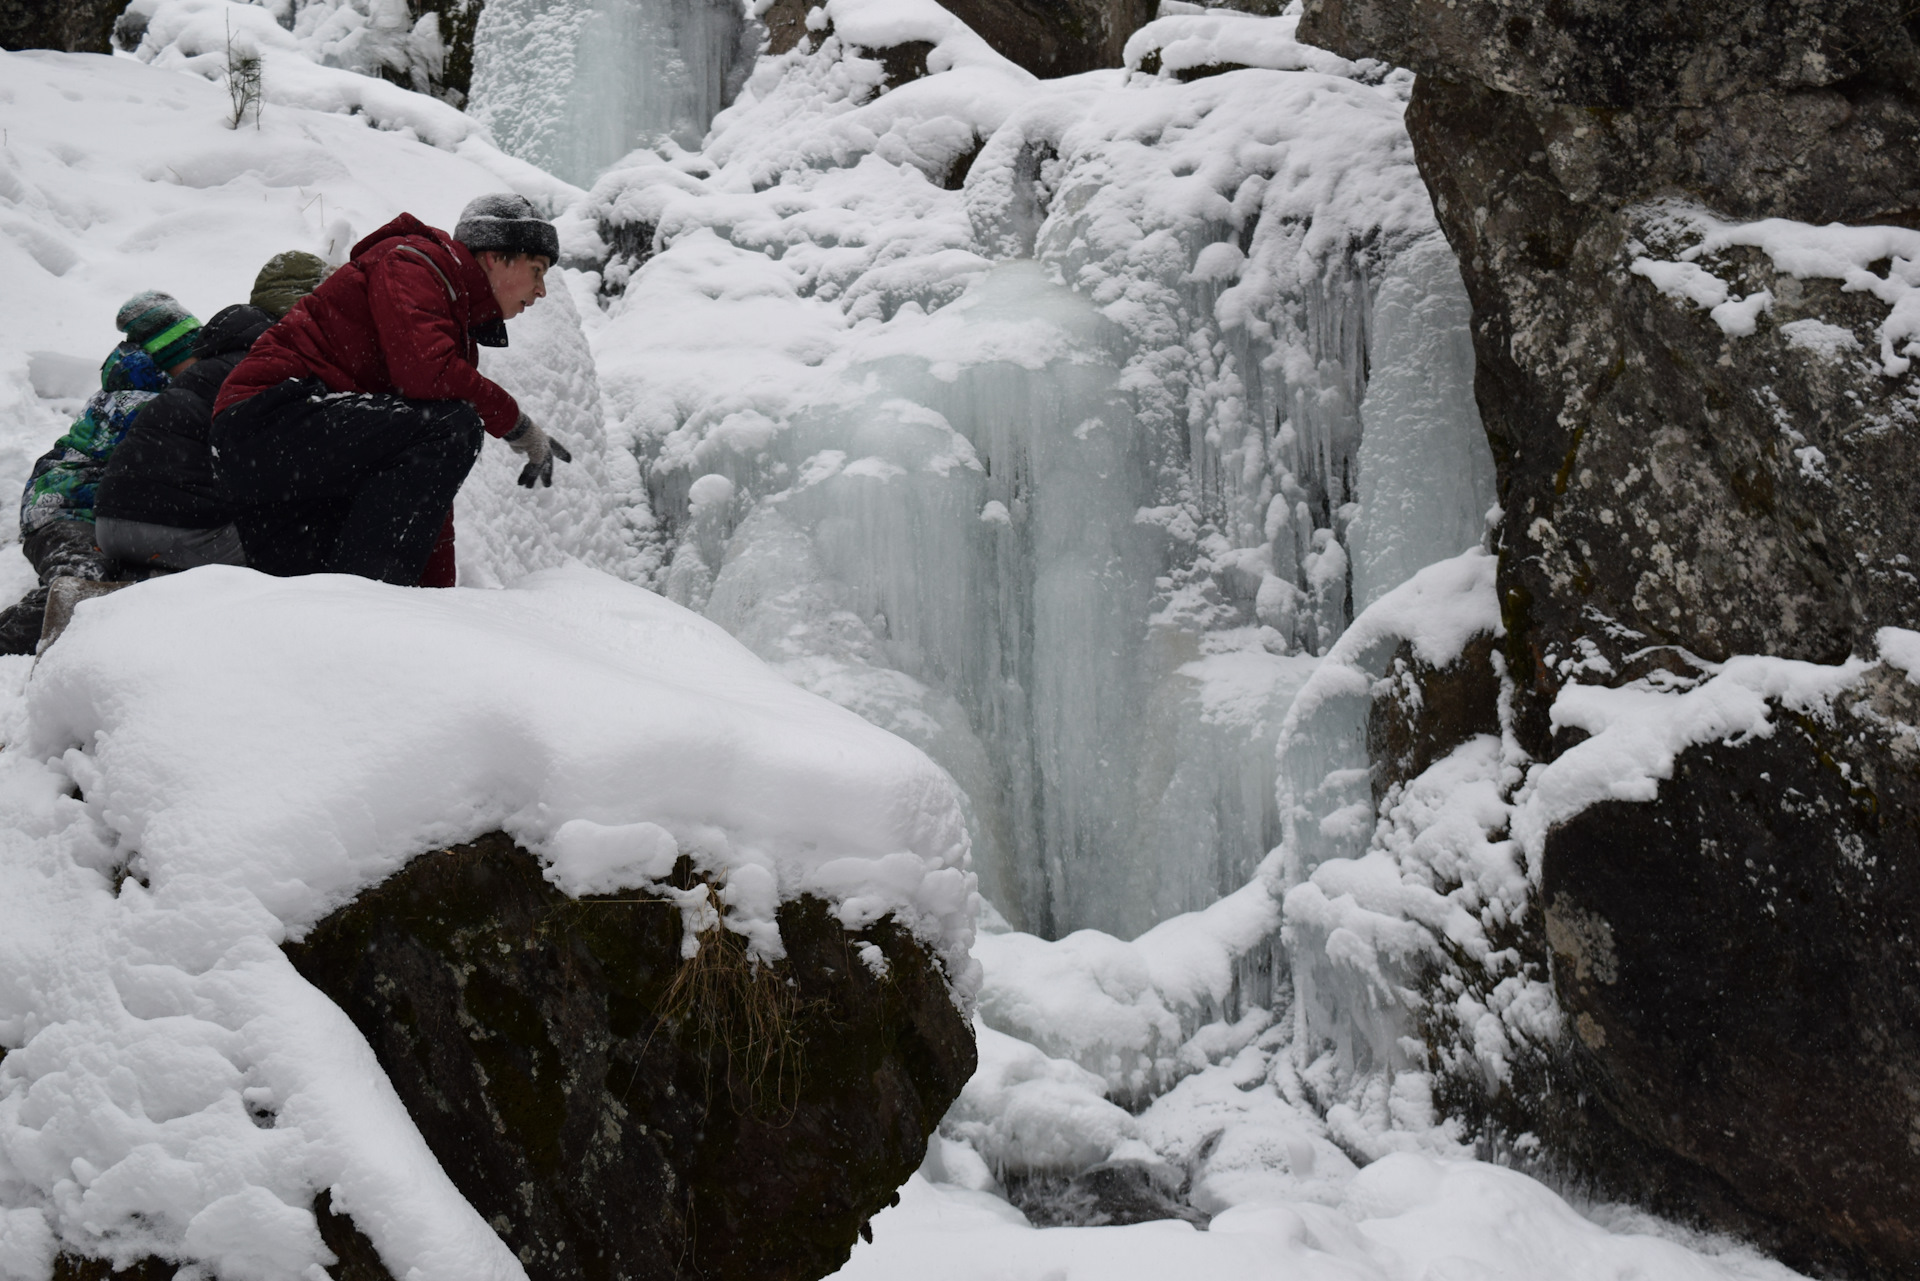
<point x="399" y="317"/>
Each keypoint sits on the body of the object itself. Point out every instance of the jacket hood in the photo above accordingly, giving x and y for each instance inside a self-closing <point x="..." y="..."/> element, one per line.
<point x="128" y="367"/>
<point x="234" y="328"/>
<point x="405" y="225"/>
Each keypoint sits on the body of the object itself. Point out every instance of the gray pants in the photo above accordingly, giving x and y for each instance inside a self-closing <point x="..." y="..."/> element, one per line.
<point x="137" y="543"/>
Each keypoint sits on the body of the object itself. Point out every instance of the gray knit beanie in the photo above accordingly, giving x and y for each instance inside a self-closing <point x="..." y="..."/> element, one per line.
<point x="506" y="224"/>
<point x="159" y="325"/>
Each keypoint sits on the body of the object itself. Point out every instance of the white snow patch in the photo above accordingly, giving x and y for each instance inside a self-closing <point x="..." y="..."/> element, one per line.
<point x="1403" y="1218"/>
<point x="1806" y="252"/>
<point x="1134" y="1013"/>
<point x="1817" y="336"/>
<point x="1218" y="39"/>
<point x="1639" y="729"/>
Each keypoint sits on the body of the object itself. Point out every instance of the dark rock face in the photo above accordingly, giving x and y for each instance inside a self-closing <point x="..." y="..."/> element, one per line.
<point x="1674" y="491"/>
<point x="73" y="26"/>
<point x="1622" y="53"/>
<point x="458" y="18"/>
<point x="1738" y="961"/>
<point x="614" y="1111"/>
<point x="1651" y="494"/>
<point x="1419" y="712"/>
<point x="1057" y="37"/>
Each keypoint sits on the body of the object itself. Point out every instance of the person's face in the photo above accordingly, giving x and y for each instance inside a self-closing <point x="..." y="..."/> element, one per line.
<point x="174" y="371"/>
<point x="518" y="281"/>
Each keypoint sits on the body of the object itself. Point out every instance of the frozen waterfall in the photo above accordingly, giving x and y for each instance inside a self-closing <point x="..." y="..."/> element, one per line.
<point x="1070" y="475"/>
<point x="574" y="85"/>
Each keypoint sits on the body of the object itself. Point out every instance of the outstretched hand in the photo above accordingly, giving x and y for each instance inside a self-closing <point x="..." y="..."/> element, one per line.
<point x="541" y="470"/>
<point x="528" y="438"/>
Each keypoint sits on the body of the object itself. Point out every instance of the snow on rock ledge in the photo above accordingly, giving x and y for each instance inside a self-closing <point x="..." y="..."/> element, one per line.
<point x="1190" y="46"/>
<point x="299" y="740"/>
<point x="250" y="753"/>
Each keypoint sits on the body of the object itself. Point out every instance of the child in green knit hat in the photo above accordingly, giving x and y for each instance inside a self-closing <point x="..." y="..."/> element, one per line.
<point x="56" y="508"/>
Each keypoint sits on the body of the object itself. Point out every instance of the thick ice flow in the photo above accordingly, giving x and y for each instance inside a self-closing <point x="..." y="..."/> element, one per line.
<point x="596" y="513"/>
<point x="1058" y="468"/>
<point x="1426" y="476"/>
<point x="574" y="85"/>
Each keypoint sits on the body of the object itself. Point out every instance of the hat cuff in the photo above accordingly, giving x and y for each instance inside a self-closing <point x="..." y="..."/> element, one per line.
<point x="510" y="236"/>
<point x="175" y="352"/>
<point x="166" y="338"/>
<point x="174" y="344"/>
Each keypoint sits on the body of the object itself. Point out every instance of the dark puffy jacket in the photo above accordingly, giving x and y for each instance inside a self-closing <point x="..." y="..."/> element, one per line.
<point x="405" y="315"/>
<point x="162" y="473"/>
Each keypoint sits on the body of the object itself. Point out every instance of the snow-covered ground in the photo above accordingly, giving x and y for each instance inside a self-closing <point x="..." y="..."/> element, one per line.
<point x="1404" y="1218"/>
<point x="1068" y="474"/>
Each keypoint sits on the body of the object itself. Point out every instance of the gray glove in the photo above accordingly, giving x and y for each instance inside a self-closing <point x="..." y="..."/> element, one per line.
<point x="541" y="449"/>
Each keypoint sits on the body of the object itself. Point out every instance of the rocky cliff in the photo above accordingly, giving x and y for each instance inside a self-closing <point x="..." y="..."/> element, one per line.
<point x="75" y="26"/>
<point x="1699" y="398"/>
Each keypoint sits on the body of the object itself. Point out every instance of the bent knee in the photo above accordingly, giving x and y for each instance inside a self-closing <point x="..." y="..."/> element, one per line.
<point x="459" y="422"/>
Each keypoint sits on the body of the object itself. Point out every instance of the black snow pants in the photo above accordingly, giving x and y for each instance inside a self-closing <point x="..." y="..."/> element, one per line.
<point x="343" y="482"/>
<point x="58" y="549"/>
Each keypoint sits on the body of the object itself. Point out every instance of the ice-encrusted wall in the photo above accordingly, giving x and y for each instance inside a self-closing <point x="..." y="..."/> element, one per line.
<point x="597" y="513"/>
<point x="1035" y="420"/>
<point x="574" y="85"/>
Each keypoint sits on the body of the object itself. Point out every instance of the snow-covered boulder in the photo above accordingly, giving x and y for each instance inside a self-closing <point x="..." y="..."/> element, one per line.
<point x="209" y="765"/>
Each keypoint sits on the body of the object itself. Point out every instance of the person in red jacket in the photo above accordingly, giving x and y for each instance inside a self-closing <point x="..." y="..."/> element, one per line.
<point x="344" y="435"/>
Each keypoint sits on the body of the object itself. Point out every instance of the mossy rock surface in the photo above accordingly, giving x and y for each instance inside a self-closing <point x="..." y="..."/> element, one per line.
<point x="616" y="1111"/>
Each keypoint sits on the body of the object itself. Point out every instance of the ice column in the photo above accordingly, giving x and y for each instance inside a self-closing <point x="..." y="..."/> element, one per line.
<point x="574" y="85"/>
<point x="1426" y="475"/>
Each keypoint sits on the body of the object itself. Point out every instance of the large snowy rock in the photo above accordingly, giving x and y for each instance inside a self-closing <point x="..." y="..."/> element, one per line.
<point x="1737" y="958"/>
<point x="1687" y="234"/>
<point x="208" y="765"/>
